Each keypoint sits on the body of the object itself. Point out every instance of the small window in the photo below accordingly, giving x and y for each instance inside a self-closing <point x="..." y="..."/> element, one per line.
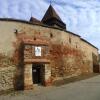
<point x="34" y="38"/>
<point x="69" y="40"/>
<point x="51" y="35"/>
<point x="37" y="51"/>
<point x="76" y="45"/>
<point x="16" y="32"/>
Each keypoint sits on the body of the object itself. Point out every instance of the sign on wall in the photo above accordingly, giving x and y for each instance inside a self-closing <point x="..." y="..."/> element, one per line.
<point x="37" y="51"/>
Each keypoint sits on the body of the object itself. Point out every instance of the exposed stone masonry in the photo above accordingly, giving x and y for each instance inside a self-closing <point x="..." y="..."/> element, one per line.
<point x="7" y="72"/>
<point x="7" y="78"/>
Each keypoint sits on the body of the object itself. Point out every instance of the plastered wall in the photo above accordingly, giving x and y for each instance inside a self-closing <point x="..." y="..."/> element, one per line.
<point x="69" y="54"/>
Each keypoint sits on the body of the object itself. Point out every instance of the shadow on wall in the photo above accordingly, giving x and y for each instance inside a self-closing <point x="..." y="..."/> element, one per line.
<point x="95" y="64"/>
<point x="19" y="75"/>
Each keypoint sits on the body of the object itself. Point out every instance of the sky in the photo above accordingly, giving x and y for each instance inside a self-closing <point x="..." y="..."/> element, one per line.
<point x="82" y="17"/>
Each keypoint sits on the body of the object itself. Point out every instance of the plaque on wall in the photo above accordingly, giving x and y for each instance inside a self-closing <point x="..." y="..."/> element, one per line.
<point x="37" y="51"/>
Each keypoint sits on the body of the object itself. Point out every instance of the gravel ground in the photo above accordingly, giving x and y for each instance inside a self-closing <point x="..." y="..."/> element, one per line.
<point x="88" y="89"/>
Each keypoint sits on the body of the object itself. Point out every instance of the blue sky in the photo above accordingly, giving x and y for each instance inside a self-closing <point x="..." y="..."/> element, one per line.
<point x="81" y="16"/>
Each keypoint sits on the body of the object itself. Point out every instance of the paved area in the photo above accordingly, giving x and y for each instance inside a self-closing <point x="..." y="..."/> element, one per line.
<point x="88" y="89"/>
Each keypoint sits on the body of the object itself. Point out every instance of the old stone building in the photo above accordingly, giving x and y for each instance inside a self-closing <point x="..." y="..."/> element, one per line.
<point x="41" y="52"/>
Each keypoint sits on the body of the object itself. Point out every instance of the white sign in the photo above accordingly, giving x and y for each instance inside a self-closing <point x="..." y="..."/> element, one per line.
<point x="37" y="51"/>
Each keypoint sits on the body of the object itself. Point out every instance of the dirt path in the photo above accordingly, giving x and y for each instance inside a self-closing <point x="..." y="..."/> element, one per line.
<point x="88" y="89"/>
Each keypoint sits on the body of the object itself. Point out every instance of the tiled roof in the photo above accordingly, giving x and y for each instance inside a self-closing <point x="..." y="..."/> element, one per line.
<point x="50" y="13"/>
<point x="51" y="18"/>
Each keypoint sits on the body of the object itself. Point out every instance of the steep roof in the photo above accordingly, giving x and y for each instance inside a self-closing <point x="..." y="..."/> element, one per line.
<point x="35" y="21"/>
<point x="51" y="18"/>
<point x="50" y="13"/>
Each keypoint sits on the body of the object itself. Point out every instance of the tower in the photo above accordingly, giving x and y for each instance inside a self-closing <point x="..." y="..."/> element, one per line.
<point x="51" y="18"/>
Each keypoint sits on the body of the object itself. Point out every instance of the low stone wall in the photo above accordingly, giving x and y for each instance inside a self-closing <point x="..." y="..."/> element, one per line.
<point x="6" y="78"/>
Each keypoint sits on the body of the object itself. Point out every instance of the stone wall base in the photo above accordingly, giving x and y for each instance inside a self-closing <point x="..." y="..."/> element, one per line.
<point x="48" y="83"/>
<point x="29" y="87"/>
